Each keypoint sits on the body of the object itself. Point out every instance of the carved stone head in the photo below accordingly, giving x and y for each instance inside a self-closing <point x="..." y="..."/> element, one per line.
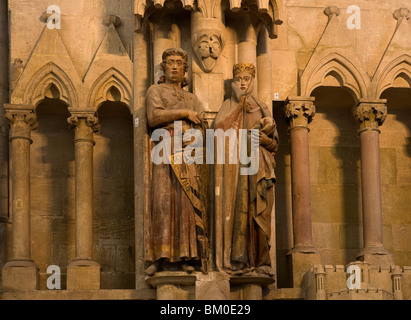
<point x="207" y="41"/>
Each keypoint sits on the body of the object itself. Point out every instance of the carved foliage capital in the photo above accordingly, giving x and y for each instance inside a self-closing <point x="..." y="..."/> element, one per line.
<point x="94" y="123"/>
<point x="91" y="120"/>
<point x="22" y="120"/>
<point x="299" y="112"/>
<point x="370" y="115"/>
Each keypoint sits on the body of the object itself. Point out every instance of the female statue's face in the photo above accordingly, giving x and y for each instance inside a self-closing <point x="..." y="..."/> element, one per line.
<point x="174" y="69"/>
<point x="243" y="80"/>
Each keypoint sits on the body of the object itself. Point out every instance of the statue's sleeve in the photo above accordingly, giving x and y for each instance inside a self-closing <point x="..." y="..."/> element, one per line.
<point x="225" y="116"/>
<point x="157" y="113"/>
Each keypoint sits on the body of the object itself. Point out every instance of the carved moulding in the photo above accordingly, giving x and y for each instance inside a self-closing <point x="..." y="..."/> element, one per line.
<point x="338" y="67"/>
<point x="112" y="85"/>
<point x="399" y="68"/>
<point x="265" y="10"/>
<point x="47" y="77"/>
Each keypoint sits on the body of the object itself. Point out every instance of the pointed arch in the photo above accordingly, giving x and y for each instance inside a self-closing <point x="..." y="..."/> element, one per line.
<point x="336" y="66"/>
<point x="103" y="87"/>
<point x="399" y="67"/>
<point x="48" y="75"/>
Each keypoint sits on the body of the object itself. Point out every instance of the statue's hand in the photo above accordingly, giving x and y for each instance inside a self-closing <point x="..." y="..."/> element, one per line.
<point x="194" y="117"/>
<point x="264" y="139"/>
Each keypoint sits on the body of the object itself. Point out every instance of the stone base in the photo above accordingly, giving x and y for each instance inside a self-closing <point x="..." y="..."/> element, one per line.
<point x="105" y="294"/>
<point x="249" y="287"/>
<point x="173" y="285"/>
<point x="83" y="275"/>
<point x="20" y="275"/>
<point x="376" y="256"/>
<point x="178" y="285"/>
<point x="299" y="261"/>
<point x="212" y="286"/>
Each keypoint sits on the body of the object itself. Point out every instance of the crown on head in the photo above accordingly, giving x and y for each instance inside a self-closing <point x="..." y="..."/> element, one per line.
<point x="241" y="67"/>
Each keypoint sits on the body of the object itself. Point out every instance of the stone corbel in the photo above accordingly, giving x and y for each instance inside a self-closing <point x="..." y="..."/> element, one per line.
<point x="112" y="20"/>
<point x="370" y="114"/>
<point x="207" y="40"/>
<point x="331" y="11"/>
<point x="402" y="13"/>
<point x="299" y="111"/>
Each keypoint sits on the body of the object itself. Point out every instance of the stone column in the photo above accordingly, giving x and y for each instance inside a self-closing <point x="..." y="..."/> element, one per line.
<point x="165" y="34"/>
<point x="142" y="151"/>
<point x="299" y="112"/>
<point x="83" y="272"/>
<point x="20" y="272"/>
<point x="264" y="68"/>
<point x="371" y="114"/>
<point x="247" y="40"/>
<point x="4" y="143"/>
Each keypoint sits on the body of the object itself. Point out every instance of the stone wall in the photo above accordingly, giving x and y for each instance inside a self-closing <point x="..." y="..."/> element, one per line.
<point x="334" y="145"/>
<point x="315" y="54"/>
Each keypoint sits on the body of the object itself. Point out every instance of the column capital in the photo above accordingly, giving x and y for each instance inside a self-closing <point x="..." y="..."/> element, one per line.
<point x="370" y="114"/>
<point x="20" y="112"/>
<point x="90" y="116"/>
<point x="22" y="120"/>
<point x="299" y="111"/>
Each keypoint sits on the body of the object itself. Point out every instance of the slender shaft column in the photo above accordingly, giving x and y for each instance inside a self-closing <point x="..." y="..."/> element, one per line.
<point x="247" y="40"/>
<point x="165" y="34"/>
<point x="4" y="143"/>
<point x="299" y="112"/>
<point x="83" y="272"/>
<point x="20" y="273"/>
<point x="371" y="114"/>
<point x="264" y="68"/>
<point x="142" y="155"/>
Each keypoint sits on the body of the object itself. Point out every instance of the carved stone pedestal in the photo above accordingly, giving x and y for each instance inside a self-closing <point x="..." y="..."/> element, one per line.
<point x="83" y="274"/>
<point x="249" y="287"/>
<point x="173" y="285"/>
<point x="212" y="286"/>
<point x="20" y="275"/>
<point x="299" y="262"/>
<point x="377" y="256"/>
<point x="178" y="285"/>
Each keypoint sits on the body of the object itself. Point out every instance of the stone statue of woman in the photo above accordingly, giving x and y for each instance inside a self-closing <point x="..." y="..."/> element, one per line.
<point x="246" y="200"/>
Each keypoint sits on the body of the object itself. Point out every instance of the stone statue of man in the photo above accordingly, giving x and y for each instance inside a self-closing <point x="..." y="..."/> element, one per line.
<point x="176" y="228"/>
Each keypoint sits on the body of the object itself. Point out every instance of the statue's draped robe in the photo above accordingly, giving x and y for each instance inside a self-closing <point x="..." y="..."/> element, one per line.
<point x="247" y="201"/>
<point x="170" y="229"/>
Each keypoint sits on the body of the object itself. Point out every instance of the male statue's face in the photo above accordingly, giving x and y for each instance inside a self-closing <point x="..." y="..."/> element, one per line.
<point x="174" y="69"/>
<point x="243" y="80"/>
